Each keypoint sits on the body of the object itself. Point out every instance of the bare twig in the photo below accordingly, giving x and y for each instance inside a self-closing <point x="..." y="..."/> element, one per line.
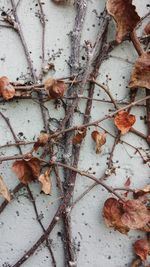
<point x="43" y="23"/>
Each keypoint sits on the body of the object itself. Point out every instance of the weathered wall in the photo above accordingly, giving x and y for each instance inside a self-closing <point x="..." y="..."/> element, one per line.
<point x="98" y="245"/>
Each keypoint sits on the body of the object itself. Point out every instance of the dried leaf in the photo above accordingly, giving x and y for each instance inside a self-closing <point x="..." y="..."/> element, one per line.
<point x="41" y="141"/>
<point x="125" y="16"/>
<point x="77" y="139"/>
<point x="140" y="76"/>
<point x="124" y="121"/>
<point x="131" y="214"/>
<point x="100" y="139"/>
<point x="136" y="215"/>
<point x="4" y="190"/>
<point x="112" y="212"/>
<point x="46" y="182"/>
<point x="55" y="88"/>
<point x="27" y="170"/>
<point x="6" y="89"/>
<point x="147" y="28"/>
<point x="142" y="248"/>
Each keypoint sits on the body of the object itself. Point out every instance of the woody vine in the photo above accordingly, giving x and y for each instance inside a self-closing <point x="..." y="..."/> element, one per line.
<point x="127" y="208"/>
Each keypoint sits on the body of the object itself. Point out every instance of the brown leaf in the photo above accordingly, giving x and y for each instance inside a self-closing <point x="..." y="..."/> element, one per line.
<point x="46" y="182"/>
<point x="143" y="191"/>
<point x="4" y="190"/>
<point x="142" y="248"/>
<point x="147" y="28"/>
<point x="55" y="88"/>
<point x="27" y="170"/>
<point x="100" y="139"/>
<point x="124" y="121"/>
<point x="112" y="212"/>
<point x="135" y="215"/>
<point x="125" y="16"/>
<point x="6" y="89"/>
<point x="77" y="139"/>
<point x="41" y="141"/>
<point x="140" y="76"/>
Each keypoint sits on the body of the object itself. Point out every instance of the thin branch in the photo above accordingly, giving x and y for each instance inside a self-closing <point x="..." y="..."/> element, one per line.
<point x="90" y="176"/>
<point x="81" y="8"/>
<point x="60" y="211"/>
<point x="43" y="23"/>
<point x="29" y="60"/>
<point x="28" y="189"/>
<point x="140" y="51"/>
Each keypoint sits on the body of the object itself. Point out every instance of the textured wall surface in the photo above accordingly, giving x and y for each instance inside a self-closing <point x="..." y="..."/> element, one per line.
<point x="96" y="244"/>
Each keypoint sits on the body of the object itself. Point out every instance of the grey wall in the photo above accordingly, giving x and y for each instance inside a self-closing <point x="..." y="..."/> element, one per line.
<point x="99" y="246"/>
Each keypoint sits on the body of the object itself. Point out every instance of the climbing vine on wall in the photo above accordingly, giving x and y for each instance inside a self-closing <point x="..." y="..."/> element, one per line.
<point x="127" y="208"/>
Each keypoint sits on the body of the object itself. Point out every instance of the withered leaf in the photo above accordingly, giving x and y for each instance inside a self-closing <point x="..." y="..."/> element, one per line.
<point x="140" y="76"/>
<point x="125" y="15"/>
<point x="112" y="212"/>
<point x="6" y="89"/>
<point x="27" y="170"/>
<point x="141" y="248"/>
<point x="77" y="139"/>
<point x="124" y="121"/>
<point x="41" y="141"/>
<point x="46" y="182"/>
<point x="100" y="140"/>
<point x="55" y="88"/>
<point x="147" y="28"/>
<point x="4" y="190"/>
<point x="136" y="215"/>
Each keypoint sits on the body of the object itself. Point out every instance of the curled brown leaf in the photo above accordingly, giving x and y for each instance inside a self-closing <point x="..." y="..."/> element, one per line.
<point x="124" y="121"/>
<point x="46" y="182"/>
<point x="55" y="88"/>
<point x="77" y="139"/>
<point x="100" y="140"/>
<point x="125" y="15"/>
<point x="123" y="216"/>
<point x="112" y="213"/>
<point x="140" y="76"/>
<point x="7" y="91"/>
<point x="27" y="170"/>
<point x="41" y="141"/>
<point x="142" y="248"/>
